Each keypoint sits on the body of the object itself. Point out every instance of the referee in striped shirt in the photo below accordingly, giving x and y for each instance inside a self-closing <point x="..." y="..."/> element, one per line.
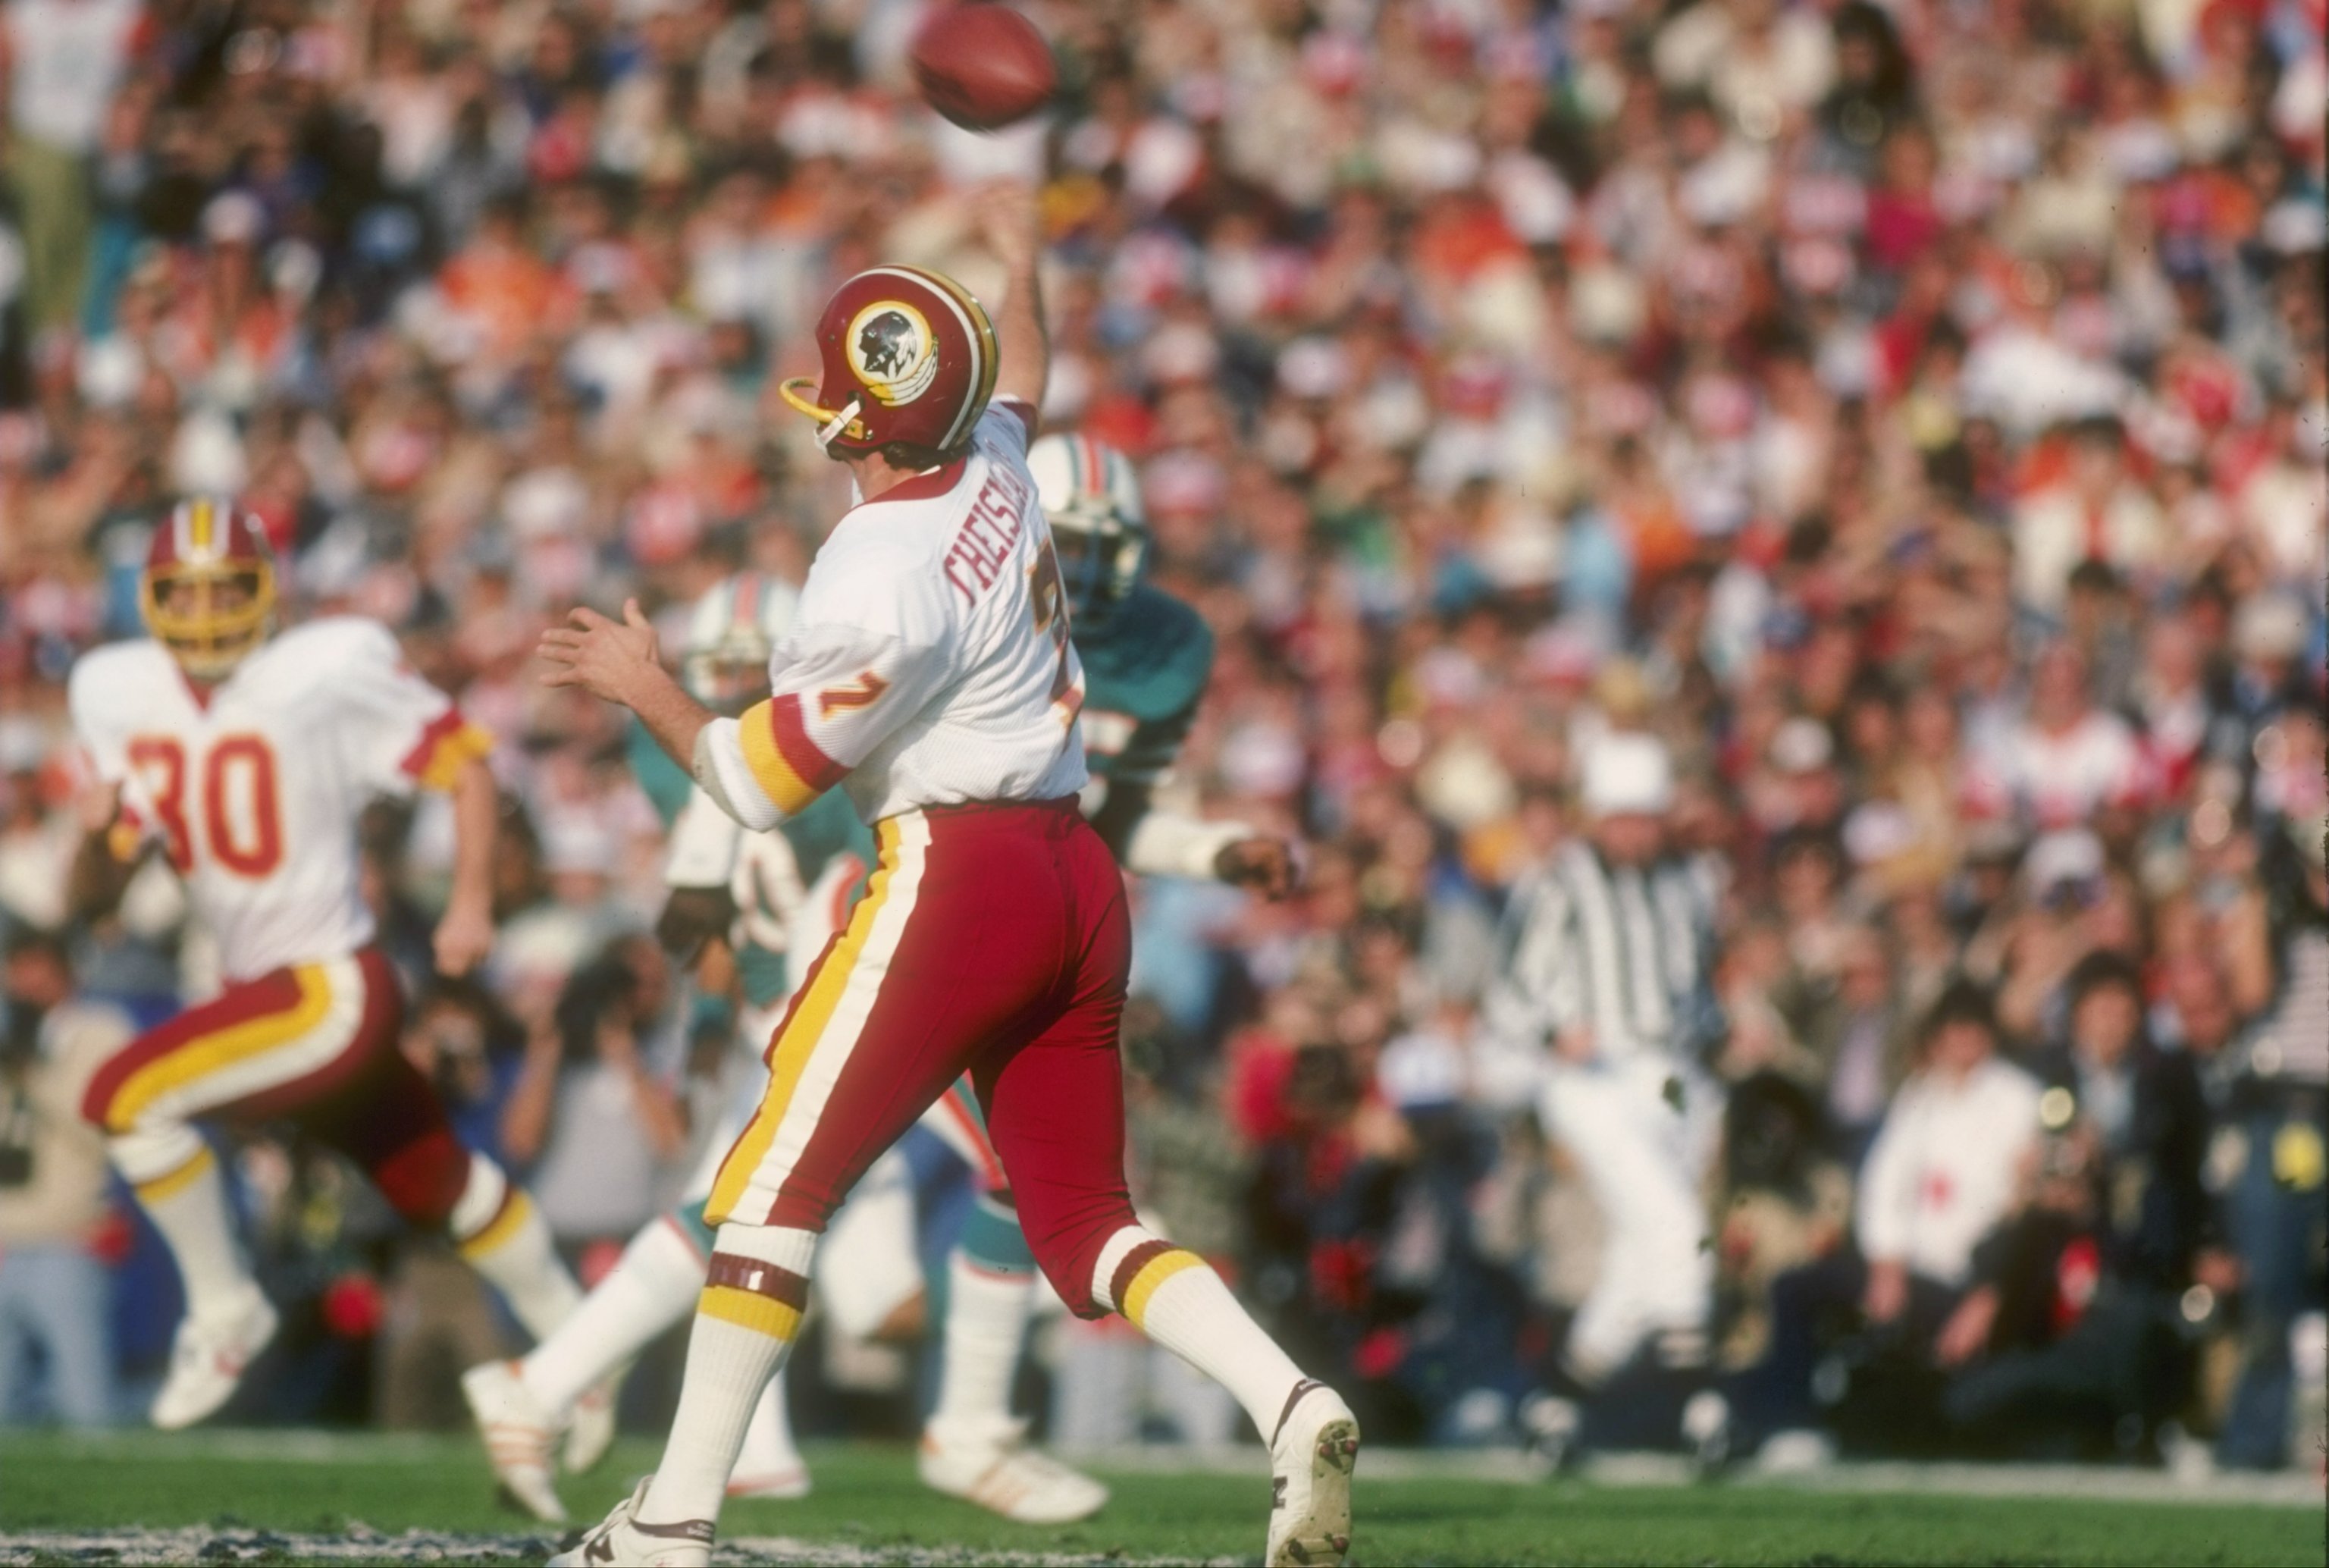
<point x="1608" y="965"/>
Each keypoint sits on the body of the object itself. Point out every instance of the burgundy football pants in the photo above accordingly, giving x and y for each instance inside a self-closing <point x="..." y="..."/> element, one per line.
<point x="992" y="940"/>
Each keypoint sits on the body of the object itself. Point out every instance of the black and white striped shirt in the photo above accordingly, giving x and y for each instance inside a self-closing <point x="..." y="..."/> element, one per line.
<point x="1624" y="952"/>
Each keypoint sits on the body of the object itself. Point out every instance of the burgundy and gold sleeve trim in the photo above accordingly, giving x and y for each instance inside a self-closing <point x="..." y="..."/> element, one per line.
<point x="448" y="744"/>
<point x="788" y="766"/>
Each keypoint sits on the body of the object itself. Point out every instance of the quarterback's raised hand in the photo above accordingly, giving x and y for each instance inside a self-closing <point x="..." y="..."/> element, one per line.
<point x="618" y="660"/>
<point x="614" y="659"/>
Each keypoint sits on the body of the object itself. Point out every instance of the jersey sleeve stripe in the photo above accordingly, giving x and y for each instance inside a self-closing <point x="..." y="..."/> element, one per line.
<point x="784" y="761"/>
<point x="450" y="740"/>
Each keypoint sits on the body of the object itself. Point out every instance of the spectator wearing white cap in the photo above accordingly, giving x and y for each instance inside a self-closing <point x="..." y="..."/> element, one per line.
<point x="1608" y="965"/>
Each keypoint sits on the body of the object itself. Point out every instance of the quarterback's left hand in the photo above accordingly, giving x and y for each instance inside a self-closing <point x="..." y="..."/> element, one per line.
<point x="464" y="937"/>
<point x="1262" y="863"/>
<point x="606" y="658"/>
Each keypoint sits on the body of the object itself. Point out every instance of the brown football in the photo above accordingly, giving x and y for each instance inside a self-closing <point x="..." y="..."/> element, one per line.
<point x="983" y="66"/>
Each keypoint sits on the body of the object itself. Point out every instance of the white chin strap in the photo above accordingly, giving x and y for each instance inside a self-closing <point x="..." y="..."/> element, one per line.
<point x="838" y="423"/>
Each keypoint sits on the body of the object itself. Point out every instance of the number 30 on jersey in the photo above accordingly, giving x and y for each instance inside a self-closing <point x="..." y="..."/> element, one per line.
<point x="241" y="825"/>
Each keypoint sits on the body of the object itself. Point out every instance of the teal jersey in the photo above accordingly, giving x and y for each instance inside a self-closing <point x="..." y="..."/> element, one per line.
<point x="664" y="781"/>
<point x="1146" y="664"/>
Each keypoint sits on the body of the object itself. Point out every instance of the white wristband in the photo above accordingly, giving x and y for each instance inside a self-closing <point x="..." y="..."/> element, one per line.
<point x="1167" y="843"/>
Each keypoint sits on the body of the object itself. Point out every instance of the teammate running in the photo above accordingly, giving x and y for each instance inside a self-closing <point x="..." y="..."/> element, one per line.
<point x="930" y="673"/>
<point x="245" y="758"/>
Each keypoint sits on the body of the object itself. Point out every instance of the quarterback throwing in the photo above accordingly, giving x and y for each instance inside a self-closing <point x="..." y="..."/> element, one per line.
<point x="928" y="675"/>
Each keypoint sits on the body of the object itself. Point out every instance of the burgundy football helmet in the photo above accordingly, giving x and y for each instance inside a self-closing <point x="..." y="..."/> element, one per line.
<point x="909" y="356"/>
<point x="208" y="590"/>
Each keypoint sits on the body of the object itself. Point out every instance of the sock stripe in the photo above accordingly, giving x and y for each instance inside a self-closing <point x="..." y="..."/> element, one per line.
<point x="177" y="1181"/>
<point x="749" y="1309"/>
<point x="1128" y="1267"/>
<point x="1143" y="1282"/>
<point x="734" y="1272"/>
<point x="495" y="1234"/>
<point x="753" y="1295"/>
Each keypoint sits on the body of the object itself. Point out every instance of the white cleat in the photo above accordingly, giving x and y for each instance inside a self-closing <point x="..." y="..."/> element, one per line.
<point x="519" y="1433"/>
<point x="622" y="1540"/>
<point x="590" y="1427"/>
<point x="1002" y="1474"/>
<point x="209" y="1357"/>
<point x="1311" y="1458"/>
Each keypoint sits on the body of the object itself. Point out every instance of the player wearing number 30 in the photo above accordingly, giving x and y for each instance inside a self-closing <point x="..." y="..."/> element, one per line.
<point x="244" y="757"/>
<point x="928" y="675"/>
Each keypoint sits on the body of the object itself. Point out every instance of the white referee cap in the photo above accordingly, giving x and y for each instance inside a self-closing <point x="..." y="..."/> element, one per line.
<point x="1627" y="774"/>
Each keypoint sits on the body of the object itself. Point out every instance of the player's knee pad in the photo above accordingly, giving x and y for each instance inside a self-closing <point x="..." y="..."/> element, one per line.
<point x="430" y="1178"/>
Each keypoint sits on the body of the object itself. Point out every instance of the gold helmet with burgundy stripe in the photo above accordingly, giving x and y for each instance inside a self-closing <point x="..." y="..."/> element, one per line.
<point x="909" y="359"/>
<point x="208" y="592"/>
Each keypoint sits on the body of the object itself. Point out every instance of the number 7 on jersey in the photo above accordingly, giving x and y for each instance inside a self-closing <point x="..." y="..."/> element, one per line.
<point x="1047" y="601"/>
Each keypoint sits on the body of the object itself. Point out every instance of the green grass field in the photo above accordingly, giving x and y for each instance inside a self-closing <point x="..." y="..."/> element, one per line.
<point x="868" y="1504"/>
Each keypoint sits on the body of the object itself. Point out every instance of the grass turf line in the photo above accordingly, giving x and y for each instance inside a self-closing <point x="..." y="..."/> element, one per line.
<point x="868" y="1498"/>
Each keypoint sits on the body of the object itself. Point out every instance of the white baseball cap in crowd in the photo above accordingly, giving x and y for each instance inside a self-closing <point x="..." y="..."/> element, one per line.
<point x="1626" y="774"/>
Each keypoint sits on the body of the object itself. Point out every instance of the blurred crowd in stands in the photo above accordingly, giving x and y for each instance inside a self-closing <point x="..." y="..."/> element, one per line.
<point x="1915" y="413"/>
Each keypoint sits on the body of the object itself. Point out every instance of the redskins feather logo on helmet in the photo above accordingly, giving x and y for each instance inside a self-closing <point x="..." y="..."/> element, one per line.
<point x="909" y="356"/>
<point x="208" y="590"/>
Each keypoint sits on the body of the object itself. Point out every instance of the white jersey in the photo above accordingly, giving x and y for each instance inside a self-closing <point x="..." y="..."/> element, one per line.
<point x="254" y="792"/>
<point x="929" y="664"/>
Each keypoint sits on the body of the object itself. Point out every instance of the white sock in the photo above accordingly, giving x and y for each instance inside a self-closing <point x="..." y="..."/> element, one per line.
<point x="986" y="1324"/>
<point x="1173" y="1297"/>
<point x="769" y="1449"/>
<point x="658" y="1279"/>
<point x="187" y="1203"/>
<point x="502" y="1235"/>
<point x="745" y="1324"/>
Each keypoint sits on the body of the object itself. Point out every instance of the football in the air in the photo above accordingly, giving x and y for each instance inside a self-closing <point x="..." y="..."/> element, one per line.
<point x="983" y="66"/>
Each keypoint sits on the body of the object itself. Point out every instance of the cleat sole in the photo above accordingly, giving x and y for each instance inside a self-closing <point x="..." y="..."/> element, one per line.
<point x="1323" y="1539"/>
